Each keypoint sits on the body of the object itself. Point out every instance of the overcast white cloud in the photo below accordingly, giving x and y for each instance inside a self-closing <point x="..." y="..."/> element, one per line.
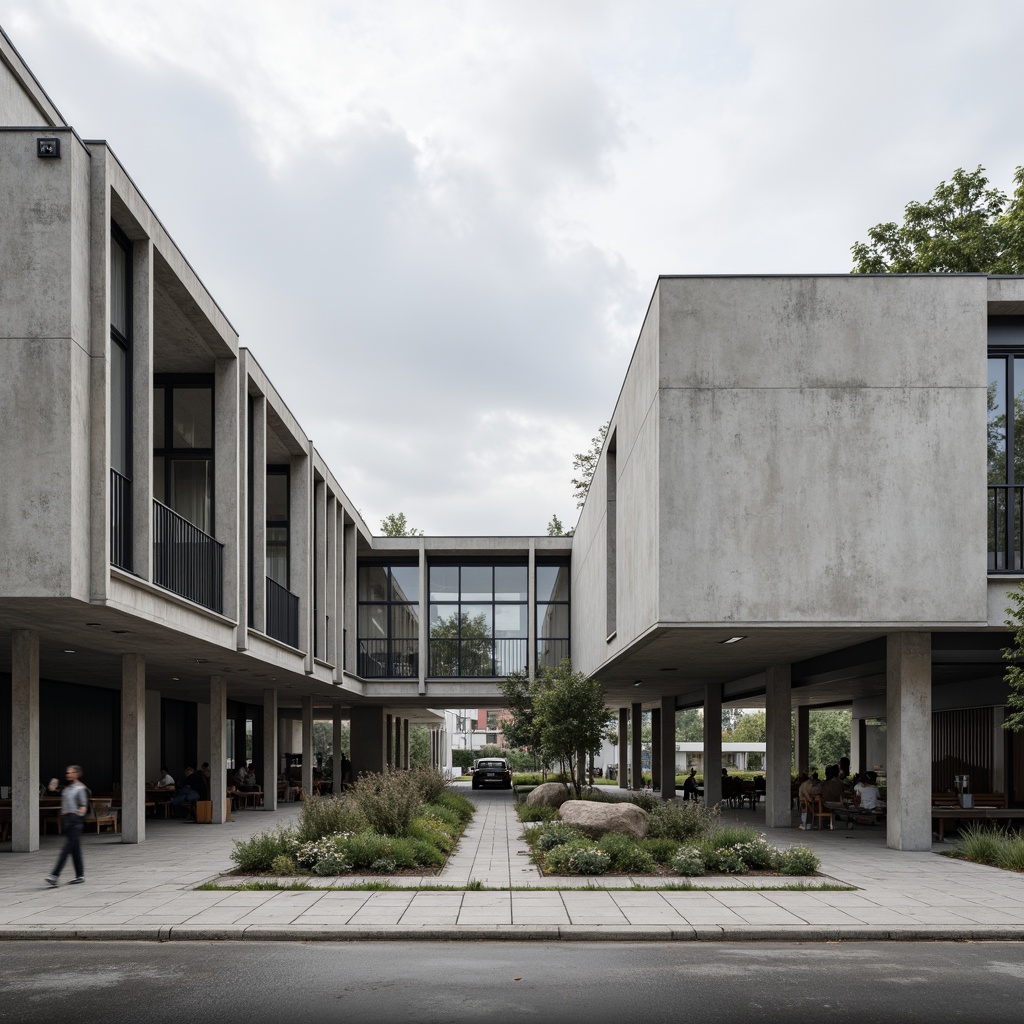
<point x="437" y="225"/>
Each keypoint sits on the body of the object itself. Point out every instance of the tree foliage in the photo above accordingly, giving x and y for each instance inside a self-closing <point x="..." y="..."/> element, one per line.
<point x="585" y="463"/>
<point x="965" y="228"/>
<point x="396" y="525"/>
<point x="828" y="736"/>
<point x="556" y="529"/>
<point x="561" y="714"/>
<point x="460" y="645"/>
<point x="1014" y="655"/>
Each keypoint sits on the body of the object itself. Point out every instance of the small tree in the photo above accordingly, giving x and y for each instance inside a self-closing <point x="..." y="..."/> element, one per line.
<point x="1014" y="655"/>
<point x="585" y="463"/>
<point x="396" y="525"/>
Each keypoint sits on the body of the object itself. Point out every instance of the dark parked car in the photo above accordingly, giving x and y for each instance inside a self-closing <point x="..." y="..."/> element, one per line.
<point x="492" y="771"/>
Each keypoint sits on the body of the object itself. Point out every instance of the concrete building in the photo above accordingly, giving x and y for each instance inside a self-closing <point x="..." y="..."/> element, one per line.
<point x="794" y="508"/>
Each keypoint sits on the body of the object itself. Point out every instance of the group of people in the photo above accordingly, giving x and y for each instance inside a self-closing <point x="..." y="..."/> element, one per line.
<point x="195" y="786"/>
<point x="838" y="783"/>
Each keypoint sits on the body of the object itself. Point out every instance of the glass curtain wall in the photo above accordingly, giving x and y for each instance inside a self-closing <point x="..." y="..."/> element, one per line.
<point x="278" y="526"/>
<point x="120" y="400"/>
<point x="552" y="614"/>
<point x="1005" y="444"/>
<point x="388" y="621"/>
<point x="478" y="623"/>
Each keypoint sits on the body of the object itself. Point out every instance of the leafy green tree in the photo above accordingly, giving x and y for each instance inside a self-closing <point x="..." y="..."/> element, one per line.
<point x="419" y="746"/>
<point x="520" y="728"/>
<point x="828" y="736"/>
<point x="749" y="728"/>
<point x="396" y="525"/>
<point x="556" y="529"/>
<point x="1014" y="656"/>
<point x="690" y="726"/>
<point x="965" y="228"/>
<point x="585" y="463"/>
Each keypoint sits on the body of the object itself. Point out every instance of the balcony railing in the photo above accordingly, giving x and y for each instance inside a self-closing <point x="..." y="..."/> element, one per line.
<point x="389" y="659"/>
<point x="282" y="614"/>
<point x="475" y="658"/>
<point x="187" y="561"/>
<point x="120" y="521"/>
<point x="1005" y="527"/>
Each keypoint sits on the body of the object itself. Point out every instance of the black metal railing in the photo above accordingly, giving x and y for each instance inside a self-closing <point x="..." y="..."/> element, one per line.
<point x="474" y="658"/>
<point x="187" y="561"/>
<point x="389" y="659"/>
<point x="551" y="653"/>
<point x="120" y="521"/>
<point x="282" y="614"/>
<point x="1005" y="527"/>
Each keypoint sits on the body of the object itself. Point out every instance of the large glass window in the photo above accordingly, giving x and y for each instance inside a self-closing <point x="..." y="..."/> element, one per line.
<point x="120" y="348"/>
<point x="278" y="528"/>
<point x="1005" y="445"/>
<point x="388" y="621"/>
<point x="552" y="614"/>
<point x="478" y="623"/>
<point x="183" y="446"/>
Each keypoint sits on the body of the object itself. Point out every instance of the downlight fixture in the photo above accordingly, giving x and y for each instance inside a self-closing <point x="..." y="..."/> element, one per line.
<point x="733" y="640"/>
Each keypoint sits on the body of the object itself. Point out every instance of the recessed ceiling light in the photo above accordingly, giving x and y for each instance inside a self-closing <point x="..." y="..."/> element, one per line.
<point x="174" y="679"/>
<point x="68" y="650"/>
<point x="202" y="661"/>
<point x="671" y="668"/>
<point x="638" y="682"/>
<point x="733" y="640"/>
<point x="119" y="631"/>
<point x="93" y="623"/>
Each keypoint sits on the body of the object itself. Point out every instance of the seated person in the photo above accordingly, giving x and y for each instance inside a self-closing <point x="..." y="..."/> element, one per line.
<point x="690" y="786"/>
<point x="184" y="800"/>
<point x="245" y="779"/>
<point x="832" y="788"/>
<point x="809" y="789"/>
<point x="844" y="769"/>
<point x="866" y="794"/>
<point x="165" y="782"/>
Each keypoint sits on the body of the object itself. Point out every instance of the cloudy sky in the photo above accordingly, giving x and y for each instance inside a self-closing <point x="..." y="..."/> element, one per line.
<point x="438" y="224"/>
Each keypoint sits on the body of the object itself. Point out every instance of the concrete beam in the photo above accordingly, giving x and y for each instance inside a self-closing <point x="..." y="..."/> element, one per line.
<point x="24" y="741"/>
<point x="779" y="753"/>
<point x="712" y="744"/>
<point x="908" y="753"/>
<point x="133" y="748"/>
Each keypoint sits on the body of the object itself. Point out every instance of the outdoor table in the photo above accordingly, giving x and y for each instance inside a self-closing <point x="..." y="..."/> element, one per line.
<point x="849" y="812"/>
<point x="944" y="814"/>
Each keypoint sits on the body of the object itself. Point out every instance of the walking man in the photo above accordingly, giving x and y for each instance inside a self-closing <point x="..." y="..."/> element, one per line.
<point x="74" y="803"/>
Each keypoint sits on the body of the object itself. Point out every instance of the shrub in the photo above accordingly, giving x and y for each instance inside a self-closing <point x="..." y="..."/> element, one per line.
<point x="627" y="855"/>
<point x="283" y="864"/>
<point x="258" y="852"/>
<point x="458" y="803"/>
<point x="661" y="850"/>
<point x="554" y="834"/>
<point x="441" y="813"/>
<point x="577" y="858"/>
<point x="310" y="854"/>
<point x="732" y="835"/>
<point x="332" y="864"/>
<point x="384" y="866"/>
<point x="722" y="860"/>
<point x="647" y="801"/>
<point x="427" y="854"/>
<point x="1011" y="855"/>
<point x="758" y="854"/>
<point x="428" y="829"/>
<point x="430" y="782"/>
<point x="799" y="860"/>
<point x="682" y="822"/>
<point x="536" y="813"/>
<point x="981" y="844"/>
<point x="388" y="801"/>
<point x="688" y="861"/>
<point x="326" y="816"/>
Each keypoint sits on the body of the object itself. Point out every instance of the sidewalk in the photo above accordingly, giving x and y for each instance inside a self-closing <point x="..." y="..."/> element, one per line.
<point x="148" y="892"/>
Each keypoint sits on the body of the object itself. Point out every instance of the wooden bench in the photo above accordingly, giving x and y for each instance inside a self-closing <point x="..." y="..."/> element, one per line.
<point x="946" y="807"/>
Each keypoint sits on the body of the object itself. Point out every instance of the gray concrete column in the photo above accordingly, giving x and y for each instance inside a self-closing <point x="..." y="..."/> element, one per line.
<point x="307" y="746"/>
<point x="142" y="412"/>
<point x="531" y="611"/>
<point x="908" y="740"/>
<point x="24" y="741"/>
<point x="270" y="765"/>
<point x="778" y="757"/>
<point x="712" y="744"/>
<point x="405" y="744"/>
<point x="227" y="482"/>
<point x="350" y="554"/>
<point x="218" y="746"/>
<point x="320" y="569"/>
<point x="331" y="611"/>
<point x="623" y="748"/>
<point x="802" y="739"/>
<point x="656" y="749"/>
<point x="258" y="540"/>
<point x="336" y="751"/>
<point x="856" y="724"/>
<point x="389" y="758"/>
<point x="368" y="740"/>
<point x="636" y="746"/>
<point x="667" y="730"/>
<point x="133" y="748"/>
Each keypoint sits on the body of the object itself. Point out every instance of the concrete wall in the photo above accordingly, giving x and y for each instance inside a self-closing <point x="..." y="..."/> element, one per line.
<point x="820" y="449"/>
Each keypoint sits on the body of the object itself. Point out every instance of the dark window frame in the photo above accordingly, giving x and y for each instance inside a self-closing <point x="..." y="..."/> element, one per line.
<point x="553" y="563"/>
<point x="1005" y="501"/>
<point x="281" y="469"/>
<point x="124" y="342"/>
<point x="411" y="644"/>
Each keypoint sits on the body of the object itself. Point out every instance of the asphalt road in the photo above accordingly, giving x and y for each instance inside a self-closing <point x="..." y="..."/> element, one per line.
<point x="494" y="983"/>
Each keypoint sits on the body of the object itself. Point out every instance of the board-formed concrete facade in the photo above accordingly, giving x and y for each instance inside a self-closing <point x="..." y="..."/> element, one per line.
<point x="793" y="509"/>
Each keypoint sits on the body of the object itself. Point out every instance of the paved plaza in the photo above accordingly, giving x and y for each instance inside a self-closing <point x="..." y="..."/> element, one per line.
<point x="148" y="892"/>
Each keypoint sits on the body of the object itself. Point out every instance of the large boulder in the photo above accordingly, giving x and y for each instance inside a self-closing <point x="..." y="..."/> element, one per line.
<point x="550" y="794"/>
<point x="595" y="819"/>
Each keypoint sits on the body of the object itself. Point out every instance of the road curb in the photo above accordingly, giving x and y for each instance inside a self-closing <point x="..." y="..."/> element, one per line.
<point x="510" y="933"/>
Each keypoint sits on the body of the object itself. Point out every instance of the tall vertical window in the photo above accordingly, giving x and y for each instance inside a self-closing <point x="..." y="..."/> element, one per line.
<point x="1006" y="445"/>
<point x="478" y="624"/>
<point x="120" y="400"/>
<point x="278" y="528"/>
<point x="183" y="446"/>
<point x="552" y="614"/>
<point x="389" y="621"/>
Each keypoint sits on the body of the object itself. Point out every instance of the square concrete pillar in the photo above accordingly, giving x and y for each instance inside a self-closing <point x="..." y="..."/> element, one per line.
<point x="667" y="730"/>
<point x="908" y="740"/>
<point x="636" y="746"/>
<point x="133" y="748"/>
<point x="270" y="767"/>
<point x="405" y="744"/>
<point x="227" y="500"/>
<point x="368" y="740"/>
<point x="779" y="753"/>
<point x="389" y="740"/>
<point x="307" y="746"/>
<point x="802" y="739"/>
<point x="218" y="746"/>
<point x="336" y="751"/>
<point x="712" y="744"/>
<point x="24" y="741"/>
<point x="142" y="412"/>
<point x="623" y="748"/>
<point x="656" y="748"/>
<point x="258" y="541"/>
